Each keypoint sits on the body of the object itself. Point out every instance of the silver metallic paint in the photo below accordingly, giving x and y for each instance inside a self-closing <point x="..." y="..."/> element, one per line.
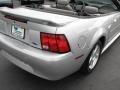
<point x="48" y="65"/>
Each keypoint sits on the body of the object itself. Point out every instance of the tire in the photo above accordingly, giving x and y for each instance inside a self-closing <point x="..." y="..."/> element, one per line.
<point x="92" y="59"/>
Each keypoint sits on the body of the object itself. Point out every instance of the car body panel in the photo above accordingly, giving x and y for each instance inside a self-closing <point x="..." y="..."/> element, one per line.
<point x="89" y="29"/>
<point x="43" y="17"/>
<point x="31" y="29"/>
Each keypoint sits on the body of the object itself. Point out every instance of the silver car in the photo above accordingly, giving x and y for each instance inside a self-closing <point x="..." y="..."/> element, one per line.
<point x="54" y="40"/>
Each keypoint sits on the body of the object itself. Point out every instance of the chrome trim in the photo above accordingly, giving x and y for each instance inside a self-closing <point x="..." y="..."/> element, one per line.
<point x="108" y="45"/>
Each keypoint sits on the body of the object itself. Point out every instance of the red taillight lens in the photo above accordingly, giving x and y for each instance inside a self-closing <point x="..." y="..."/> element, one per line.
<point x="45" y="41"/>
<point x="54" y="42"/>
<point x="62" y="44"/>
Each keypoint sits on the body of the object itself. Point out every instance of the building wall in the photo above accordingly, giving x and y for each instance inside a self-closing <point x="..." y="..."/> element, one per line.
<point x="16" y="3"/>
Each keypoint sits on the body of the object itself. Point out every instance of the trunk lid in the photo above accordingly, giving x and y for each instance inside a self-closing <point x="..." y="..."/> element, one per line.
<point x="38" y="16"/>
<point x="30" y="23"/>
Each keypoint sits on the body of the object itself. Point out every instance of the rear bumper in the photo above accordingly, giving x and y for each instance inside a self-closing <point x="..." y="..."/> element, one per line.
<point x="44" y="64"/>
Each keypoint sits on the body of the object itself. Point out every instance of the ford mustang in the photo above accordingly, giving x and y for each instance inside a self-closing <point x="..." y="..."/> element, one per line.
<point x="55" y="39"/>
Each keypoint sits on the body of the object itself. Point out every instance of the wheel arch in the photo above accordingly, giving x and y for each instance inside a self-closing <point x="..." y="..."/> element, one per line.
<point x="102" y="40"/>
<point x="101" y="36"/>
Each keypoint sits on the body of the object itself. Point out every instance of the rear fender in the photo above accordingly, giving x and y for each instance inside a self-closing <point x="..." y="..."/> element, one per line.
<point x="99" y="33"/>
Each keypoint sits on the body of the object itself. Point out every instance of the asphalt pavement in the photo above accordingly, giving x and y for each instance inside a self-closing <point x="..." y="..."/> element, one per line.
<point x="105" y="77"/>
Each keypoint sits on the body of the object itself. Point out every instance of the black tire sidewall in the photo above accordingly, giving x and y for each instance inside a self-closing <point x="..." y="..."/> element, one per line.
<point x="85" y="68"/>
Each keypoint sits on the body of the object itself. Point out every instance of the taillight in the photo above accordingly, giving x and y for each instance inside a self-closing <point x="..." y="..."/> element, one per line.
<point x="54" y="43"/>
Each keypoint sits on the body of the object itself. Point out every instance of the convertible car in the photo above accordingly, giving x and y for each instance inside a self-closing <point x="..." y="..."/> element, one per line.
<point x="55" y="39"/>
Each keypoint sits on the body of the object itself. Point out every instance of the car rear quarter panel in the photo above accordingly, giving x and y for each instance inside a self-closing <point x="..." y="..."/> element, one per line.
<point x="84" y="33"/>
<point x="76" y="36"/>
